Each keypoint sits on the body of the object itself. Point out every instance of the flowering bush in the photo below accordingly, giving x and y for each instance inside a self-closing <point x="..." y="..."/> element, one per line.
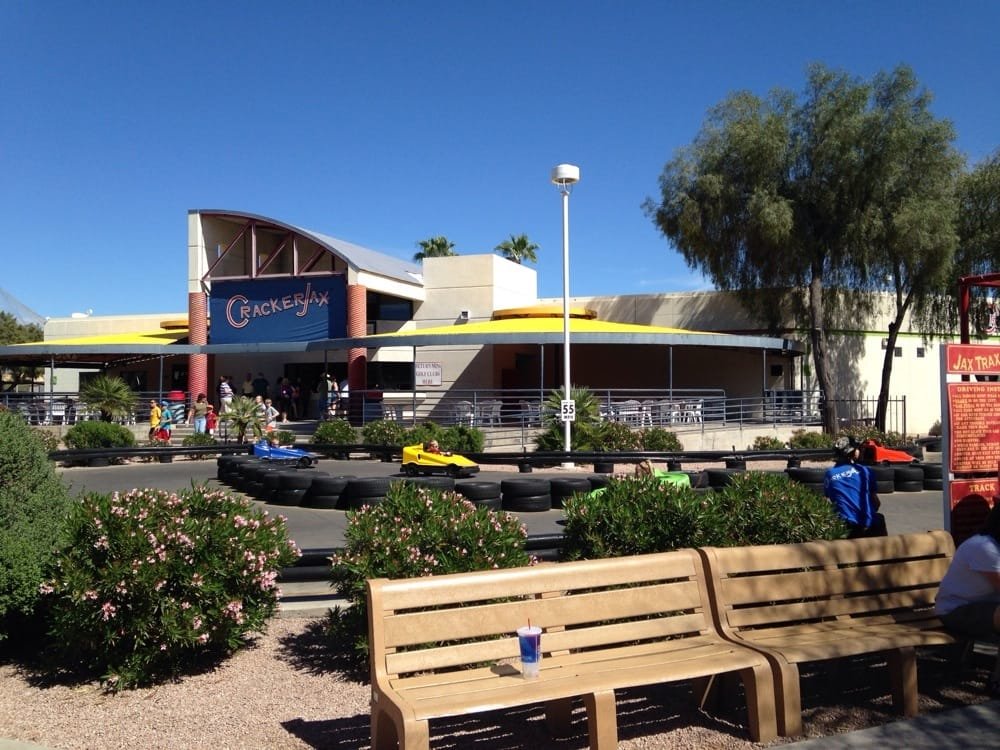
<point x="149" y="581"/>
<point x="417" y="531"/>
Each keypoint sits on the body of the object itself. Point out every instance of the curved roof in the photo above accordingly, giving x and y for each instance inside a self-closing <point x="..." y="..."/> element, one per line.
<point x="358" y="258"/>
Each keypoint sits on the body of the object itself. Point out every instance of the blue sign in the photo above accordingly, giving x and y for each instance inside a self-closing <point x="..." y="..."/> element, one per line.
<point x="286" y="309"/>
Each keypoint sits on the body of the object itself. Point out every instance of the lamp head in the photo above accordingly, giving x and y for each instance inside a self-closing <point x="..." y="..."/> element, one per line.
<point x="564" y="176"/>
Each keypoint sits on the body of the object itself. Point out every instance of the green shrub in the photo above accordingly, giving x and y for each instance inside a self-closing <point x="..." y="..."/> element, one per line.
<point x="48" y="439"/>
<point x="616" y="436"/>
<point x="94" y="434"/>
<point x="383" y="432"/>
<point x="659" y="439"/>
<point x="638" y="515"/>
<point x="935" y="430"/>
<point x="416" y="531"/>
<point x="761" y="508"/>
<point x="583" y="437"/>
<point x="150" y="582"/>
<point x="335" y="432"/>
<point x="33" y="506"/>
<point x="461" y="438"/>
<point x="767" y="443"/>
<point x="810" y="440"/>
<point x="285" y="437"/>
<point x="424" y="433"/>
<point x="197" y="440"/>
<point x="634" y="516"/>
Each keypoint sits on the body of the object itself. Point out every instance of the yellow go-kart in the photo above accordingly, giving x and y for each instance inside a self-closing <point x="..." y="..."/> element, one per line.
<point x="418" y="460"/>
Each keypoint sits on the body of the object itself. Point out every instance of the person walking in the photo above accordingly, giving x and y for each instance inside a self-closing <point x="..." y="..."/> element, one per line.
<point x="211" y="420"/>
<point x="225" y="393"/>
<point x="166" y="422"/>
<point x="851" y="488"/>
<point x="154" y="418"/>
<point x="270" y="416"/>
<point x="199" y="414"/>
<point x="968" y="600"/>
<point x="247" y="387"/>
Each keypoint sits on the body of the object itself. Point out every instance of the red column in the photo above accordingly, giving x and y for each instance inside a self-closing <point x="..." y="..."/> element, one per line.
<point x="198" y="334"/>
<point x="357" y="359"/>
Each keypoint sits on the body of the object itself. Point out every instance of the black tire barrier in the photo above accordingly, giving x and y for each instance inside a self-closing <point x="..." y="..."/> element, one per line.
<point x="932" y="446"/>
<point x="327" y="485"/>
<point x="604" y="467"/>
<point x="524" y="467"/>
<point x="526" y="503"/>
<point x="493" y="503"/>
<point x="932" y="471"/>
<point x="598" y="480"/>
<point x="291" y="497"/>
<point x="478" y="490"/>
<point x="564" y="487"/>
<point x="524" y="487"/>
<point x="295" y="480"/>
<point x="323" y="502"/>
<point x="699" y="479"/>
<point x="815" y="487"/>
<point x="736" y="463"/>
<point x="807" y="476"/>
<point x="366" y="487"/>
<point x="270" y="483"/>
<point x="674" y="466"/>
<point x="793" y="463"/>
<point x="933" y="484"/>
<point x="886" y="487"/>
<point x="720" y="477"/>
<point x="905" y="477"/>
<point x="440" y="483"/>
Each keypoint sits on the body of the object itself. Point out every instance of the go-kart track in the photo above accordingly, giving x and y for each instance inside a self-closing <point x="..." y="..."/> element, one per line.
<point x="311" y="528"/>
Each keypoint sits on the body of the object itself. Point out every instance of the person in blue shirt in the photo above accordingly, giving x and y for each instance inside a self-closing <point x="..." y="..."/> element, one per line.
<point x="851" y="488"/>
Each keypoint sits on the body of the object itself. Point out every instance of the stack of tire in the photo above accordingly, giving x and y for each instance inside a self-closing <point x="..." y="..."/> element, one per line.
<point x="291" y="486"/>
<point x="364" y="491"/>
<point x="524" y="495"/>
<point x="325" y="491"/>
<point x="933" y="479"/>
<point x="908" y="478"/>
<point x="480" y="493"/>
<point x="562" y="488"/>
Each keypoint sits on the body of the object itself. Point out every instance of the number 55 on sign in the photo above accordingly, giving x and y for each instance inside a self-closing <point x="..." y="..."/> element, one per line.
<point x="567" y="411"/>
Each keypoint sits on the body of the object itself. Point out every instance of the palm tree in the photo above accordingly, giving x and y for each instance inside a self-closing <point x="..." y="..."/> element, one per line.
<point x="518" y="249"/>
<point x="434" y="247"/>
<point x="244" y="415"/>
<point x="109" y="395"/>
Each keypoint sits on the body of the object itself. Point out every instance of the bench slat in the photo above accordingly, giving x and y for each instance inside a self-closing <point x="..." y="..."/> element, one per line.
<point x="493" y="584"/>
<point x="857" y="606"/>
<point x="767" y="588"/>
<point x="449" y="656"/>
<point x="558" y="681"/>
<point x="810" y="554"/>
<point x="505" y="617"/>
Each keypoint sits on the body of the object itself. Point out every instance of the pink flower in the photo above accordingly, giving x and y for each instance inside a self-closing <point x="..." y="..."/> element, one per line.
<point x="108" y="611"/>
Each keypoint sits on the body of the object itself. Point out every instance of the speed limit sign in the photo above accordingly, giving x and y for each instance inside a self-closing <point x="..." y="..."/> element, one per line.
<point x="567" y="410"/>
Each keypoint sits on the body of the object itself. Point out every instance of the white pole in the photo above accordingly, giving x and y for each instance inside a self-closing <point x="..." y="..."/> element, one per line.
<point x="564" y="176"/>
<point x="567" y="380"/>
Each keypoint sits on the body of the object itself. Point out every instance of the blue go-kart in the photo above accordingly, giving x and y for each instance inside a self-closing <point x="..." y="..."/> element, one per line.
<point x="282" y="454"/>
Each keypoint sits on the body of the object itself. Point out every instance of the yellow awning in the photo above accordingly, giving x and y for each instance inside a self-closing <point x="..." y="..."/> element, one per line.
<point x="120" y="339"/>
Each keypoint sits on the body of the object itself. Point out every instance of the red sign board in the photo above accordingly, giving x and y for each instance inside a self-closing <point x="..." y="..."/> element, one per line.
<point x="974" y="426"/>
<point x="973" y="359"/>
<point x="971" y="500"/>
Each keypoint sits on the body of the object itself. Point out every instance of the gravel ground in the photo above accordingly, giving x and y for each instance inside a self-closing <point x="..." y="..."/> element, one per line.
<point x="287" y="692"/>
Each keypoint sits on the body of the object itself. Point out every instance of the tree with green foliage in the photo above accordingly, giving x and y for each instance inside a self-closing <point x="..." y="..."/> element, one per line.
<point x="434" y="247"/>
<point x="790" y="201"/>
<point x="518" y="249"/>
<point x="14" y="332"/>
<point x="978" y="223"/>
<point x="243" y="416"/>
<point x="33" y="505"/>
<point x="110" y="395"/>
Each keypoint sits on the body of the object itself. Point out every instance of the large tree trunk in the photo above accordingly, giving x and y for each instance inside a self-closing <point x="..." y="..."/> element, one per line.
<point x="902" y="305"/>
<point x="817" y="333"/>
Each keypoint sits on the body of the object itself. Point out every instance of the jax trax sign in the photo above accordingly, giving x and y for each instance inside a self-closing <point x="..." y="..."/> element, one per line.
<point x="245" y="312"/>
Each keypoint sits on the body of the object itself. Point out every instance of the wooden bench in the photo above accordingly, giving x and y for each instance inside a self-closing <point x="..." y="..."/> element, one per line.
<point x="823" y="600"/>
<point x="446" y="646"/>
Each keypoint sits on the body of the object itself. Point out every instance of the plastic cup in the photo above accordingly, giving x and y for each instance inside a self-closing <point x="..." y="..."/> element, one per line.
<point x="529" y="638"/>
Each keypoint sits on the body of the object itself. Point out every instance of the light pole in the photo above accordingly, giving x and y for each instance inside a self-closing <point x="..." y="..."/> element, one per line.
<point x="564" y="176"/>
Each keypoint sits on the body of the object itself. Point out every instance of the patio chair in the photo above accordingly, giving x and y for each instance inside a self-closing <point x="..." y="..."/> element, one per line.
<point x="488" y="413"/>
<point x="463" y="413"/>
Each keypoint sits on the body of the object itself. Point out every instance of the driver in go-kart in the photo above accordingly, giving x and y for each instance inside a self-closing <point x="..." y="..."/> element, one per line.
<point x="433" y="447"/>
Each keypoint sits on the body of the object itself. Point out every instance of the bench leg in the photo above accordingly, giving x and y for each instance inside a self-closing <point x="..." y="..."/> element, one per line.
<point x="788" y="695"/>
<point x="409" y="735"/>
<point x="557" y="716"/>
<point x="602" y="720"/>
<point x="903" y="679"/>
<point x="758" y="684"/>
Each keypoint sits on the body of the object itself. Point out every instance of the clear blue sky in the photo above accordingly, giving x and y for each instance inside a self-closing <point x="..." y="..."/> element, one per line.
<point x="384" y="123"/>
